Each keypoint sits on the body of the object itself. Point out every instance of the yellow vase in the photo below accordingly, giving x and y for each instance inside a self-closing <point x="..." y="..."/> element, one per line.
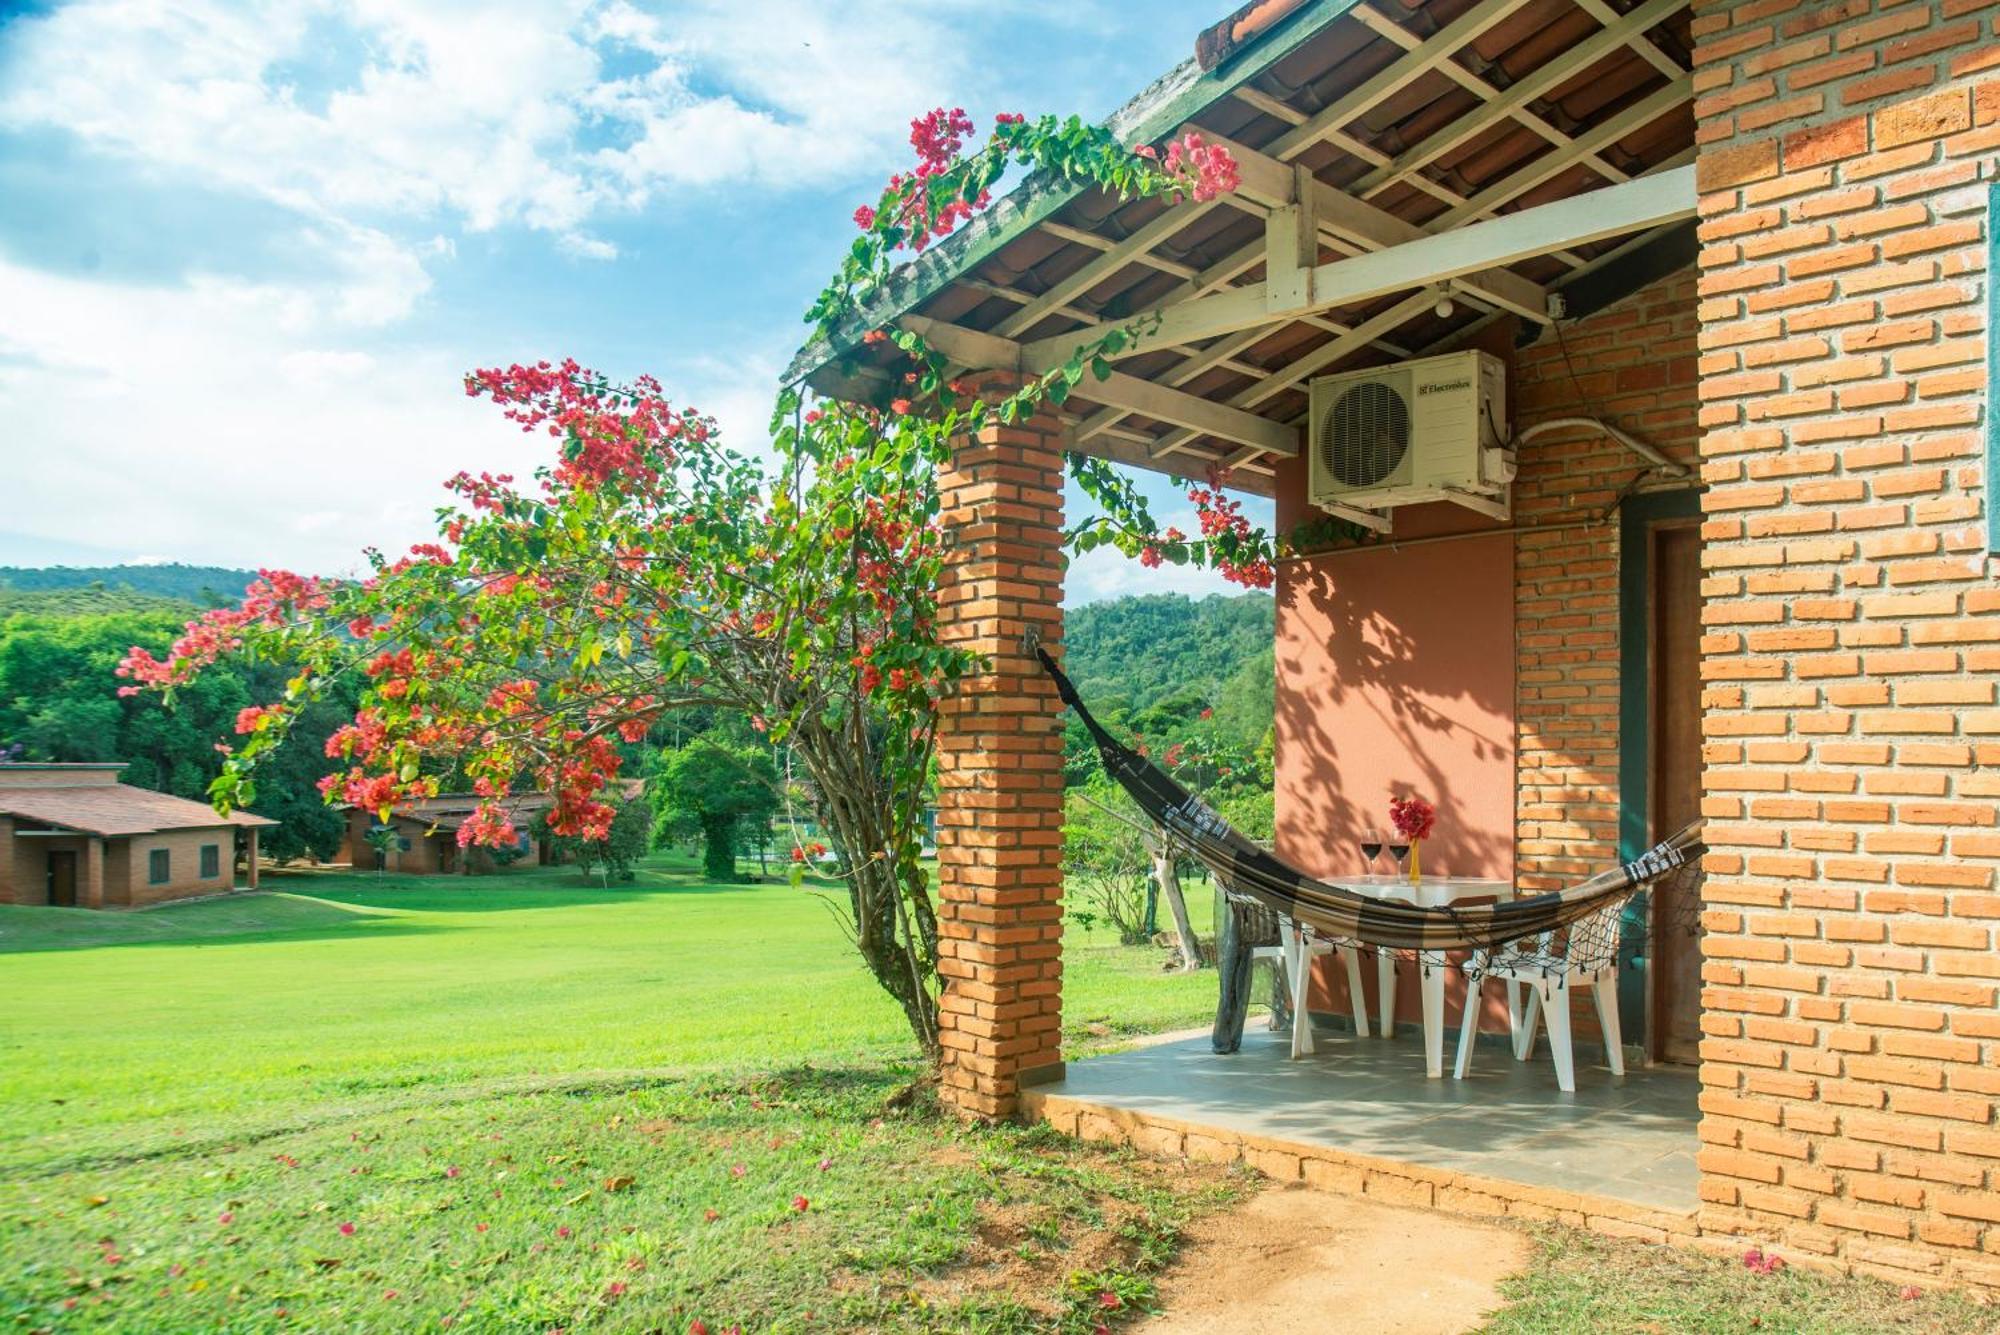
<point x="1416" y="861"/>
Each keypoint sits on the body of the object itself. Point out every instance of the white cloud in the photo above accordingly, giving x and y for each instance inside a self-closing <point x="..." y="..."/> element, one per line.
<point x="210" y="418"/>
<point x="540" y="113"/>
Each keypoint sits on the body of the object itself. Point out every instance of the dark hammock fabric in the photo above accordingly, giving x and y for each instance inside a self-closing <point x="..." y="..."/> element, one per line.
<point x="1329" y="910"/>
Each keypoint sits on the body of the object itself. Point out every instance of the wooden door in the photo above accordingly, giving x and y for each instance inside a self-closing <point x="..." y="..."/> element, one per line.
<point x="1675" y="786"/>
<point x="62" y="878"/>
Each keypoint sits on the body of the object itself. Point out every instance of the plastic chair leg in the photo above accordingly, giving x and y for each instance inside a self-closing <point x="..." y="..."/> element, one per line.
<point x="1605" y="991"/>
<point x="1468" y="1024"/>
<point x="1555" y="1005"/>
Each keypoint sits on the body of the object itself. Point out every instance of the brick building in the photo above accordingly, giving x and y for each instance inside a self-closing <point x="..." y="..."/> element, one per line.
<point x="72" y="836"/>
<point x="427" y="837"/>
<point x="1732" y="263"/>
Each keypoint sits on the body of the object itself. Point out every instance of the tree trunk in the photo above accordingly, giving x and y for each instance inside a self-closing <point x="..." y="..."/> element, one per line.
<point x="879" y="841"/>
<point x="718" y="858"/>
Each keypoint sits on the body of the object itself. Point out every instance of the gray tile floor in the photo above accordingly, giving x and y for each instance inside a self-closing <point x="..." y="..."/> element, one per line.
<point x="1630" y="1138"/>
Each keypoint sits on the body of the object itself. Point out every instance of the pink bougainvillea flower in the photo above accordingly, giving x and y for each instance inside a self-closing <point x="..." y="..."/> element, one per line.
<point x="346" y="1228"/>
<point x="697" y="1327"/>
<point x="801" y="1204"/>
<point x="388" y="1295"/>
<point x="562" y="1230"/>
<point x="710" y="1216"/>
<point x="451" y="1171"/>
<point x="226" y="1217"/>
<point x="1910" y="1293"/>
<point x="825" y="1164"/>
<point x="1109" y="1301"/>
<point x="901" y="407"/>
<point x="479" y="1228"/>
<point x="736" y="1170"/>
<point x="1761" y="1262"/>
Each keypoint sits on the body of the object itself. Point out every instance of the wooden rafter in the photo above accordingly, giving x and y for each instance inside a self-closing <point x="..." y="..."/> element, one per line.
<point x="1421" y="60"/>
<point x="1466" y="128"/>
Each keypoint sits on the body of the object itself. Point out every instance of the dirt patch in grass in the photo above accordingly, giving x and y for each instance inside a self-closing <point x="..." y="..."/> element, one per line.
<point x="1053" y="1257"/>
<point x="1297" y="1260"/>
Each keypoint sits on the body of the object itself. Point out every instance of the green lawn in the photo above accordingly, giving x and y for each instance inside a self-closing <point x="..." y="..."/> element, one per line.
<point x="527" y="1103"/>
<point x="197" y="1096"/>
<point x="236" y="1015"/>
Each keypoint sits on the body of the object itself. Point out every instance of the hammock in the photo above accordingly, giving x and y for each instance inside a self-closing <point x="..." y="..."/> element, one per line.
<point x="1244" y="868"/>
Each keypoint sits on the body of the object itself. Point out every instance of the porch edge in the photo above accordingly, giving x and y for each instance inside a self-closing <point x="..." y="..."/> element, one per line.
<point x="1345" y="1173"/>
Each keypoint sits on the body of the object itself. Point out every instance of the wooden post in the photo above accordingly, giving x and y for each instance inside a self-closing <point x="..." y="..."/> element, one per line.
<point x="1168" y="877"/>
<point x="91" y="892"/>
<point x="250" y="854"/>
<point x="999" y="835"/>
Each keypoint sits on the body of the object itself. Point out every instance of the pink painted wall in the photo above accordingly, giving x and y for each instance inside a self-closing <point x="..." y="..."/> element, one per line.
<point x="1396" y="676"/>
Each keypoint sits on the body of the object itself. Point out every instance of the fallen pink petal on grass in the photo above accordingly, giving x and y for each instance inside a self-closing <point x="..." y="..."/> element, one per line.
<point x="346" y="1229"/>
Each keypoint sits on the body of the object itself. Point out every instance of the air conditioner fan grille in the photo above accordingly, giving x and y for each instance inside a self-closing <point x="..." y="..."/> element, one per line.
<point x="1363" y="439"/>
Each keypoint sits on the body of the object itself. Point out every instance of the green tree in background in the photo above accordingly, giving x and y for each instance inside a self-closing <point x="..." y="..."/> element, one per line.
<point x="721" y="788"/>
<point x="59" y="702"/>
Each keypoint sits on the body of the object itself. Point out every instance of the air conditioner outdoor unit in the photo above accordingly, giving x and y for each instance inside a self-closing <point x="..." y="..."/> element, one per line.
<point x="1430" y="430"/>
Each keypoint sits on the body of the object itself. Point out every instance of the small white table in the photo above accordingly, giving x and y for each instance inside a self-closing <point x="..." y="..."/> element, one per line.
<point x="1427" y="892"/>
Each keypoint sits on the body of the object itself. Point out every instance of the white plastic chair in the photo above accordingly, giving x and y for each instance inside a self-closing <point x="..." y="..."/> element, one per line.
<point x="1300" y="946"/>
<point x="1588" y="958"/>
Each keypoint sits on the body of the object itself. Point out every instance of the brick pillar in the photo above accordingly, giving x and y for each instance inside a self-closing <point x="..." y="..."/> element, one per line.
<point x="1000" y="770"/>
<point x="1853" y="634"/>
<point x="90" y="893"/>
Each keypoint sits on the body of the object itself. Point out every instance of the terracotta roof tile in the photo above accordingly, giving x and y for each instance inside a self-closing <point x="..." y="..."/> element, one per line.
<point x="116" y="809"/>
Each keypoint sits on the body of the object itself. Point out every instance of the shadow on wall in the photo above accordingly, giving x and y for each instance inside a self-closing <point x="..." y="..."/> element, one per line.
<point x="1396" y="677"/>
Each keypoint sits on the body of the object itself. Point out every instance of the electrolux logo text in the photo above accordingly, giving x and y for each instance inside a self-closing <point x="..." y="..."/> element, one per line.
<point x="1444" y="388"/>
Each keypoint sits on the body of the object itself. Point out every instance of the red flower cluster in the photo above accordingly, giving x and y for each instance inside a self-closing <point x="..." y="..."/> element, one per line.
<point x="1413" y="817"/>
<point x="1205" y="170"/>
<point x="937" y="136"/>
<point x="606" y="433"/>
<point x="804" y="852"/>
<point x="1233" y="550"/>
<point x="276" y="599"/>
<point x="1758" y="1261"/>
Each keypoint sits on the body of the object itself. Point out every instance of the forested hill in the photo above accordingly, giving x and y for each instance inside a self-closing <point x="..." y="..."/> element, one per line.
<point x="1145" y="660"/>
<point x="204" y="586"/>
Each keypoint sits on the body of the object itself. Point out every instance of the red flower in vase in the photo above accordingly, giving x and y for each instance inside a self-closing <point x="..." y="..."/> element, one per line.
<point x="1413" y="817"/>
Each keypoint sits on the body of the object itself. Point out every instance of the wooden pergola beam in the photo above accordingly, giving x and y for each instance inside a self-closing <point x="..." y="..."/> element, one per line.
<point x="1425" y="260"/>
<point x="979" y="349"/>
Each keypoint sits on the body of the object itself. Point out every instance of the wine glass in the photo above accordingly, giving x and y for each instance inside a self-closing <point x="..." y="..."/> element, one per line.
<point x="1371" y="847"/>
<point x="1400" y="851"/>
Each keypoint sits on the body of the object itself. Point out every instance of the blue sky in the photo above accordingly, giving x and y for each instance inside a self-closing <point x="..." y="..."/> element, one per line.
<point x="247" y="250"/>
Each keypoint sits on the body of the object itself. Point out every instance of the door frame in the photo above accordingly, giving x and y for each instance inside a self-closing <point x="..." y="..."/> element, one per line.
<point x="1638" y="518"/>
<point x="49" y="857"/>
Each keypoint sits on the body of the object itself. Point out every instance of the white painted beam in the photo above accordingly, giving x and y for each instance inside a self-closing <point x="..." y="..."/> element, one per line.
<point x="979" y="349"/>
<point x="1472" y="249"/>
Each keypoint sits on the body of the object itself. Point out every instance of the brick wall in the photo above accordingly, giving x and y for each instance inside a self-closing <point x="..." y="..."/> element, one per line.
<point x="183" y="849"/>
<point x="1632" y="364"/>
<point x="999" y="829"/>
<point x="1852" y="639"/>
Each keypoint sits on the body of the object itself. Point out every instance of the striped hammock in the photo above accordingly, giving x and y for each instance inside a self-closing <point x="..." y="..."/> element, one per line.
<point x="1331" y="911"/>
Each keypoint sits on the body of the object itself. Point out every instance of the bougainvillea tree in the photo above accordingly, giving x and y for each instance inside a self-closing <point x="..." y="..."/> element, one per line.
<point x="649" y="567"/>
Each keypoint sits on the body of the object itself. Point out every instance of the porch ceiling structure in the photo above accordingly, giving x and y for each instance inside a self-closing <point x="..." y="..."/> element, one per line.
<point x="1392" y="156"/>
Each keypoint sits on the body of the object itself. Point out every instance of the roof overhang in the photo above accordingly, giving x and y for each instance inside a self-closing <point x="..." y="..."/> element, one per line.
<point x="1406" y="176"/>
